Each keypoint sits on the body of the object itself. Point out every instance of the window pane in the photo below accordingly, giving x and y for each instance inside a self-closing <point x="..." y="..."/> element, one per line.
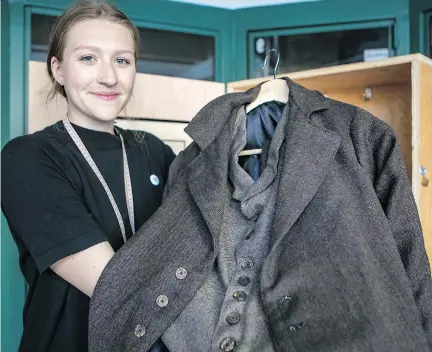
<point x="307" y="51"/>
<point x="162" y="52"/>
<point x="40" y="32"/>
<point x="176" y="54"/>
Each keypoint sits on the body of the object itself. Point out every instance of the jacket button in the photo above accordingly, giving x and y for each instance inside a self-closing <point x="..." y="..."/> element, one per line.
<point x="140" y="330"/>
<point x="233" y="318"/>
<point x="227" y="344"/>
<point x="240" y="295"/>
<point x="162" y="301"/>
<point x="181" y="273"/>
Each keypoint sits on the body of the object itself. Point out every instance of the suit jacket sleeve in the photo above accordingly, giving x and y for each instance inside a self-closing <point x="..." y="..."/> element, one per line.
<point x="379" y="152"/>
<point x="179" y="166"/>
<point x="172" y="175"/>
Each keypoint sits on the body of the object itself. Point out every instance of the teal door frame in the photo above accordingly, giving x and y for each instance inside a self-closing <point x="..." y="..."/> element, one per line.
<point x="420" y="14"/>
<point x="12" y="283"/>
<point x="307" y="16"/>
<point x="427" y="34"/>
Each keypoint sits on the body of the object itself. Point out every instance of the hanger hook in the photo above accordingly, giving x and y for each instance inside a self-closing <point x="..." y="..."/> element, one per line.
<point x="277" y="62"/>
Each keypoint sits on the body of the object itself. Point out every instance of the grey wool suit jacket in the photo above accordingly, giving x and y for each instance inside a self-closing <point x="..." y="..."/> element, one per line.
<point x="346" y="243"/>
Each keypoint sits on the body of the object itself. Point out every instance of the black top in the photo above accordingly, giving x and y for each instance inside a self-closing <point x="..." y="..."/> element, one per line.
<point x="56" y="206"/>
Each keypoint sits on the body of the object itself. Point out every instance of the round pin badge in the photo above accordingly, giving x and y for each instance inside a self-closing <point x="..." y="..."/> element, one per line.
<point x="154" y="180"/>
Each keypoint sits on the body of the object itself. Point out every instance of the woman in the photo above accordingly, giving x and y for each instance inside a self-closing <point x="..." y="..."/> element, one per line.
<point x="75" y="192"/>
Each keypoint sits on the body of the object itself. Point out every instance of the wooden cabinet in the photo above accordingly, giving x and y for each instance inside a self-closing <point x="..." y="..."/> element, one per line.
<point x="397" y="90"/>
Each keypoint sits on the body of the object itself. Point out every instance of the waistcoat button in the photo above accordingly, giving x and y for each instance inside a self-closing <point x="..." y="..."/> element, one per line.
<point x="247" y="264"/>
<point x="227" y="344"/>
<point x="233" y="318"/>
<point x="243" y="280"/>
<point x="240" y="295"/>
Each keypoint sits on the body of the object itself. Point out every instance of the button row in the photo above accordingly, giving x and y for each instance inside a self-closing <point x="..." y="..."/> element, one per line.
<point x="161" y="301"/>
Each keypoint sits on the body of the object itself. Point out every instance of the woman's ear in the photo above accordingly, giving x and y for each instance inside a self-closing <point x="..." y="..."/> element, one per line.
<point x="57" y="71"/>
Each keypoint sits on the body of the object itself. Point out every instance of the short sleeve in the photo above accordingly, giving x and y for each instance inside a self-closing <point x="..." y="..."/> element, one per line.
<point x="42" y="207"/>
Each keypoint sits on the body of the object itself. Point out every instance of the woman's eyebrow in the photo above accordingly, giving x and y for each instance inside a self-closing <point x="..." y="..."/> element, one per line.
<point x="95" y="48"/>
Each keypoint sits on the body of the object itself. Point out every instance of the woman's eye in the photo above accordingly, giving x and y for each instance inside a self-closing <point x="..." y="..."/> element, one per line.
<point x="87" y="58"/>
<point x="122" y="61"/>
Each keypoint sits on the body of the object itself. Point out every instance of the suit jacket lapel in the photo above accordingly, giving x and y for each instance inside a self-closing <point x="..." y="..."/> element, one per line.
<point x="207" y="180"/>
<point x="308" y="152"/>
<point x="212" y="129"/>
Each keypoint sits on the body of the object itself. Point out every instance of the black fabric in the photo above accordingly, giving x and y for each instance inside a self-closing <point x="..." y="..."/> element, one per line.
<point x="261" y="123"/>
<point x="55" y="206"/>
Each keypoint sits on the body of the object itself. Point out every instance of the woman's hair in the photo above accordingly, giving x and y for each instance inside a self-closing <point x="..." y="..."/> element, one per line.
<point x="80" y="11"/>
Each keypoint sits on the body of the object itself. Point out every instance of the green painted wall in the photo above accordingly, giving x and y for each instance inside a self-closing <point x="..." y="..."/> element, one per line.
<point x="230" y="29"/>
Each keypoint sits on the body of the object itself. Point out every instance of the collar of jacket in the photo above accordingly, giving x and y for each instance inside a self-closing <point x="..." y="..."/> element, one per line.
<point x="306" y="154"/>
<point x="210" y="120"/>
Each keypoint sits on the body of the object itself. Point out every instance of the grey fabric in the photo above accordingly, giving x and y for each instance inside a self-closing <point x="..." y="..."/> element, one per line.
<point x="207" y="328"/>
<point x="346" y="270"/>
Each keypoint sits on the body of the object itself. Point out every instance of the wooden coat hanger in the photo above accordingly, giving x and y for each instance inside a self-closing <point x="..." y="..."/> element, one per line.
<point x="273" y="90"/>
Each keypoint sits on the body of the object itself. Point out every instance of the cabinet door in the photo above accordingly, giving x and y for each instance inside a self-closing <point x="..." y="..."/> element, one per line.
<point x="172" y="133"/>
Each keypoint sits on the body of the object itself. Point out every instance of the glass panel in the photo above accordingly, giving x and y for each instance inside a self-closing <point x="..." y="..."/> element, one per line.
<point x="40" y="32"/>
<point x="162" y="52"/>
<point x="177" y="54"/>
<point x="313" y="50"/>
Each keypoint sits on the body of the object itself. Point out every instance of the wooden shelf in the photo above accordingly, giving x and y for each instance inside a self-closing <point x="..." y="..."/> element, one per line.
<point x="395" y="70"/>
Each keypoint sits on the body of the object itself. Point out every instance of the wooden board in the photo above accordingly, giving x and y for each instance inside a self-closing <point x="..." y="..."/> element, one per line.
<point x="170" y="98"/>
<point x="425" y="150"/>
<point x="394" y="70"/>
<point x="154" y="97"/>
<point x="392" y="104"/>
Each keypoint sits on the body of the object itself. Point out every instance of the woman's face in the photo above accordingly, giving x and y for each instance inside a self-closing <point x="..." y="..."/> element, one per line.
<point x="97" y="72"/>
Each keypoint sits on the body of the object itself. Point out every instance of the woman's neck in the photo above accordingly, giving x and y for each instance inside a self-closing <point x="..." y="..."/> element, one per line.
<point x="91" y="123"/>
